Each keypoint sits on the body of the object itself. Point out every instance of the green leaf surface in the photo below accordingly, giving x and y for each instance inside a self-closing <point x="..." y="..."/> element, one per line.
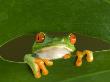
<point x="61" y="71"/>
<point x="88" y="17"/>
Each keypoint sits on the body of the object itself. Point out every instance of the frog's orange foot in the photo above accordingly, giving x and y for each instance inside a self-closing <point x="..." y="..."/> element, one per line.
<point x="81" y="54"/>
<point x="67" y="56"/>
<point x="42" y="66"/>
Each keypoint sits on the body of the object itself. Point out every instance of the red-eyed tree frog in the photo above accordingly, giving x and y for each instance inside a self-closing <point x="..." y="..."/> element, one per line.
<point x="48" y="47"/>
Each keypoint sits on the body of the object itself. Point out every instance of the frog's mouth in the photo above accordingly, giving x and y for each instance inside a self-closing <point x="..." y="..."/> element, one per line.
<point x="54" y="52"/>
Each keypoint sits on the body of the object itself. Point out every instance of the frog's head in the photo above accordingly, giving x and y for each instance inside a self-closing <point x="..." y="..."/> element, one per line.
<point x="45" y="41"/>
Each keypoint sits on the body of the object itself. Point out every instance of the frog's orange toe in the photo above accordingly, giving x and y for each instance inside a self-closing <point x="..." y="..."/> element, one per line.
<point x="89" y="59"/>
<point x="78" y="63"/>
<point x="41" y="65"/>
<point x="67" y="56"/>
<point x="48" y="62"/>
<point x="89" y="55"/>
<point x="45" y="72"/>
<point x="38" y="75"/>
<point x="80" y="55"/>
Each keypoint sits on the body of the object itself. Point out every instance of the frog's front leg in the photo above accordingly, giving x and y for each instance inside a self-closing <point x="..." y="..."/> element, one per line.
<point x="67" y="56"/>
<point x="37" y="64"/>
<point x="41" y="63"/>
<point x="81" y="54"/>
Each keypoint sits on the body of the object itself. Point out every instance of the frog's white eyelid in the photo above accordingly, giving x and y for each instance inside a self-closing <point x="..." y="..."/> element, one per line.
<point x="70" y="35"/>
<point x="43" y="33"/>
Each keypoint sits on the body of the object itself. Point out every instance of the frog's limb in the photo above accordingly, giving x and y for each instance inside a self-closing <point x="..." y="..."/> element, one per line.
<point x="48" y="62"/>
<point x="81" y="54"/>
<point x="89" y="55"/>
<point x="41" y="65"/>
<point x="67" y="56"/>
<point x="31" y="62"/>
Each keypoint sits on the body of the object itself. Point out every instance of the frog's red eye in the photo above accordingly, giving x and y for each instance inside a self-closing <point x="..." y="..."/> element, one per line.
<point x="72" y="38"/>
<point x="40" y="37"/>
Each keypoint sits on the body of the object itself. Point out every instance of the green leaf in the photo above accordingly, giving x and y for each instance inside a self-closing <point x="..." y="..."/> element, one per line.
<point x="88" y="17"/>
<point x="61" y="71"/>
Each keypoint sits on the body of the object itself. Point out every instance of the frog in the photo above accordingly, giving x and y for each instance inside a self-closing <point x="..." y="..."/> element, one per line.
<point x="48" y="47"/>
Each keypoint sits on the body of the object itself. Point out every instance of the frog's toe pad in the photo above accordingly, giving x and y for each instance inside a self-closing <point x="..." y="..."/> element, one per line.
<point x="37" y="75"/>
<point x="67" y="56"/>
<point x="48" y="62"/>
